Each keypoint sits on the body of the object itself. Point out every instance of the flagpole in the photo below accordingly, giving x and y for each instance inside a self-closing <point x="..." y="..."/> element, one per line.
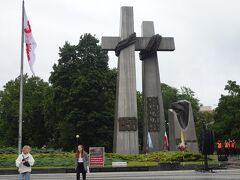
<point x="21" y="86"/>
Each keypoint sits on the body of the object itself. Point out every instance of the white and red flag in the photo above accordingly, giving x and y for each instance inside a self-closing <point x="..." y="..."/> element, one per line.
<point x="166" y="143"/>
<point x="30" y="42"/>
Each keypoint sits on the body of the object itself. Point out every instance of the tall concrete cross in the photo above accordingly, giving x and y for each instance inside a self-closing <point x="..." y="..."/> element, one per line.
<point x="126" y="124"/>
<point x="154" y="121"/>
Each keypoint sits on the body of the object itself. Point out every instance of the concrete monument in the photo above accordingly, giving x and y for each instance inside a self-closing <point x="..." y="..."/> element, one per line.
<point x="126" y="123"/>
<point x="182" y="127"/>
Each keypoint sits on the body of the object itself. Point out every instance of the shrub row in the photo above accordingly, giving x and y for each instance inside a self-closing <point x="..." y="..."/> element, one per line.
<point x="13" y="150"/>
<point x="166" y="156"/>
<point x="66" y="159"/>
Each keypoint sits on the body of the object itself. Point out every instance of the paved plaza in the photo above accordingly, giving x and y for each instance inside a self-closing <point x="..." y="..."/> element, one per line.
<point x="166" y="175"/>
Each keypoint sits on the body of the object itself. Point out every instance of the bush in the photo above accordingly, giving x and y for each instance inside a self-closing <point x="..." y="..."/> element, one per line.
<point x="8" y="150"/>
<point x="52" y="159"/>
<point x="166" y="156"/>
<point x="45" y="150"/>
<point x="13" y="150"/>
<point x="43" y="157"/>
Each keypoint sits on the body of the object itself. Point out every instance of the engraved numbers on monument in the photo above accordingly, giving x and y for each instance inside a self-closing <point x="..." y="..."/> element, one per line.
<point x="153" y="112"/>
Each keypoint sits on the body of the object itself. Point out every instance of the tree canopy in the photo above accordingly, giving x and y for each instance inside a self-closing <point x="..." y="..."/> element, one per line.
<point x="227" y="114"/>
<point x="35" y="90"/>
<point x="84" y="95"/>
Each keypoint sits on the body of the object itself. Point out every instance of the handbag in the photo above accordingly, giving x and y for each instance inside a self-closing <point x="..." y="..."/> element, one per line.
<point x="26" y="163"/>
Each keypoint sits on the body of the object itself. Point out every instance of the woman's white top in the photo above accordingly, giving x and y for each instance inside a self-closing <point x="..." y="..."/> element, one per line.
<point x="80" y="159"/>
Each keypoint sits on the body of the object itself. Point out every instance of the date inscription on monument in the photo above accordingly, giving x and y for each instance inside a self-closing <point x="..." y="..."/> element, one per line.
<point x="127" y="124"/>
<point x="153" y="112"/>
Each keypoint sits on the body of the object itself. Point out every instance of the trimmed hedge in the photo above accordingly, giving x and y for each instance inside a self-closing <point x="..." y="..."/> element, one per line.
<point x="12" y="150"/>
<point x="8" y="150"/>
<point x="166" y="156"/>
<point x="52" y="159"/>
<point x="66" y="159"/>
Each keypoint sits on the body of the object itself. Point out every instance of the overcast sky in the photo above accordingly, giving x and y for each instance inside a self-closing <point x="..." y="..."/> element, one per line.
<point x="206" y="33"/>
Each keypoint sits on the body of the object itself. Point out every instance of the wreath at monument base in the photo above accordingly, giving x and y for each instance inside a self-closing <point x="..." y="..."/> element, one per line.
<point x="182" y="147"/>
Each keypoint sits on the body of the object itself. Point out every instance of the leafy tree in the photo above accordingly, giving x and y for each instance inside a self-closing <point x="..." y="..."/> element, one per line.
<point x="34" y="131"/>
<point x="227" y="114"/>
<point x="189" y="95"/>
<point x="170" y="95"/>
<point x="83" y="95"/>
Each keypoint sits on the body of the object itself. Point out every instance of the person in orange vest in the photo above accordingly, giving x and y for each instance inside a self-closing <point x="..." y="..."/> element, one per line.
<point x="230" y="147"/>
<point x="233" y="147"/>
<point x="219" y="148"/>
<point x="226" y="147"/>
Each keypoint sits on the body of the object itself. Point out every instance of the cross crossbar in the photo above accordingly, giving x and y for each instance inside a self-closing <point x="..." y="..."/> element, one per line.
<point x="167" y="43"/>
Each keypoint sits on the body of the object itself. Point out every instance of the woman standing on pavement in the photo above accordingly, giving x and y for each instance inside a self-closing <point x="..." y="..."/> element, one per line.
<point x="81" y="162"/>
<point x="24" y="162"/>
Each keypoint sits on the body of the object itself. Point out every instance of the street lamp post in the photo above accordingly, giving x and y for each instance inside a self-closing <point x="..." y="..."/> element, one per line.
<point x="77" y="137"/>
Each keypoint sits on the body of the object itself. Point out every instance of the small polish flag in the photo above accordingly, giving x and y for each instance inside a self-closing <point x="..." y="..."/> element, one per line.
<point x="30" y="42"/>
<point x="166" y="143"/>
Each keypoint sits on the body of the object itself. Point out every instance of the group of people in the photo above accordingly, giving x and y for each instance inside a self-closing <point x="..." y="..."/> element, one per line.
<point x="228" y="147"/>
<point x="25" y="161"/>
